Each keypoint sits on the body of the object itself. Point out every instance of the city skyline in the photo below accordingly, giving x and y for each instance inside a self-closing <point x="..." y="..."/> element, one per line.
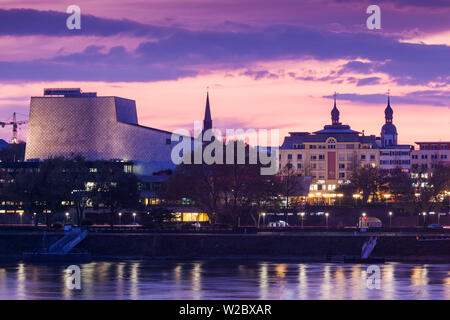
<point x="165" y="58"/>
<point x="221" y="156"/>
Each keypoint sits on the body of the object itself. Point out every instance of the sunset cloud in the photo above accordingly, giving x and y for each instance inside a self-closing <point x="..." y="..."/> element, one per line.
<point x="267" y="63"/>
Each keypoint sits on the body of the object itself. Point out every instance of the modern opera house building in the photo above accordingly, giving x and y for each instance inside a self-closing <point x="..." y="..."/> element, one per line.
<point x="68" y="122"/>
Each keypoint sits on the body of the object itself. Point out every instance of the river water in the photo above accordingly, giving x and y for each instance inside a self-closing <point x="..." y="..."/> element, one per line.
<point x="226" y="280"/>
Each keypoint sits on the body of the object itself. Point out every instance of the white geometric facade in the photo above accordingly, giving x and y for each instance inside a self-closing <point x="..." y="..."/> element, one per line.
<point x="98" y="128"/>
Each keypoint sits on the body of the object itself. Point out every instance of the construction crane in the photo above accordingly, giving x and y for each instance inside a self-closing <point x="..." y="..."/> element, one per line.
<point x="15" y="124"/>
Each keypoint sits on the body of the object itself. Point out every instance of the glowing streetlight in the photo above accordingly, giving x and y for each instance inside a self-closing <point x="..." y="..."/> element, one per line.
<point x="356" y="197"/>
<point x="120" y="218"/>
<point x="390" y="219"/>
<point x="20" y="215"/>
<point x="134" y="217"/>
<point x="302" y="214"/>
<point x="424" y="217"/>
<point x="326" y="218"/>
<point x="67" y="216"/>
<point x="340" y="196"/>
<point x="386" y="198"/>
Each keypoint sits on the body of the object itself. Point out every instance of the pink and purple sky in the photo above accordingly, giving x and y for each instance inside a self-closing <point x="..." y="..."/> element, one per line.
<point x="268" y="64"/>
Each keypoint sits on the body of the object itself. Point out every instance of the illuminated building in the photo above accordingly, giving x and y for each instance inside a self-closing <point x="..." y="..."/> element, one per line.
<point x="392" y="154"/>
<point x="328" y="155"/>
<point x="429" y="155"/>
<point x="67" y="122"/>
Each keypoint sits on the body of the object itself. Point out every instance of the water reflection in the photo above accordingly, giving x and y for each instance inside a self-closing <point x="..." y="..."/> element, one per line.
<point x="224" y="280"/>
<point x="388" y="281"/>
<point x="419" y="281"/>
<point x="264" y="280"/>
<point x="302" y="282"/>
<point x="20" y="289"/>
<point x="339" y="289"/>
<point x="196" y="278"/>
<point x="326" y="282"/>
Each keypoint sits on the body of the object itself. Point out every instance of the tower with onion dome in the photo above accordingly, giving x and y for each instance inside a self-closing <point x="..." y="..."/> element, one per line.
<point x="388" y="131"/>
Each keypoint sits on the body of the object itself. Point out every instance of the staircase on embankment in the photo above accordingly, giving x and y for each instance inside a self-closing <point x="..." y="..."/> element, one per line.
<point x="368" y="247"/>
<point x="69" y="241"/>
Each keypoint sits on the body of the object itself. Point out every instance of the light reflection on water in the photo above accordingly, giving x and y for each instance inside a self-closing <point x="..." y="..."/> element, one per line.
<point x="224" y="280"/>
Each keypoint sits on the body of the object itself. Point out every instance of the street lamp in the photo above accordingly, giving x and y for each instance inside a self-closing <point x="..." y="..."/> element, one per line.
<point x="432" y="213"/>
<point x="20" y="215"/>
<point x="67" y="216"/>
<point x="318" y="196"/>
<point x="356" y="196"/>
<point x="264" y="218"/>
<point x="120" y="218"/>
<point x="390" y="219"/>
<point x="326" y="218"/>
<point x="386" y="197"/>
<point x="424" y="218"/>
<point x="134" y="217"/>
<point x="364" y="220"/>
<point x="340" y="196"/>
<point x="302" y="215"/>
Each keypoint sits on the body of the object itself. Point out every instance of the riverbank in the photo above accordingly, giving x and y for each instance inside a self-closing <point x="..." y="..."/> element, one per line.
<point x="408" y="247"/>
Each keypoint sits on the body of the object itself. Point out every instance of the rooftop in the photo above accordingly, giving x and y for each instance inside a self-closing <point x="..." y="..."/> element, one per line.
<point x="68" y="92"/>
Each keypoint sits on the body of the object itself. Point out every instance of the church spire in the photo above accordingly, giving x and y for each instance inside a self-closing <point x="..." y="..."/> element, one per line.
<point x="335" y="112"/>
<point x="388" y="112"/>
<point x="207" y="121"/>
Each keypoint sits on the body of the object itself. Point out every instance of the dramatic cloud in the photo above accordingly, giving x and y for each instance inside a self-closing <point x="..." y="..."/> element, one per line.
<point x="357" y="67"/>
<point x="181" y="53"/>
<point x="425" y="97"/>
<point x="261" y="74"/>
<point x="51" y="23"/>
<point x="368" y="81"/>
<point x="272" y="61"/>
<point x="405" y="3"/>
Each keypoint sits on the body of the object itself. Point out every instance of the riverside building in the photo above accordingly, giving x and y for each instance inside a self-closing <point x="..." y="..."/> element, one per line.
<point x="66" y="122"/>
<point x="429" y="155"/>
<point x="328" y="155"/>
<point x="392" y="154"/>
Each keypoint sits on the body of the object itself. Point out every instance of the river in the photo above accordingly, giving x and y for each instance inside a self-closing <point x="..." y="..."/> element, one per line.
<point x="225" y="280"/>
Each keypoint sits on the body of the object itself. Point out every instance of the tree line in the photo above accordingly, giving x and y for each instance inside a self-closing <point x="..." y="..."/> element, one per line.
<point x="228" y="193"/>
<point x="58" y="184"/>
<point x="232" y="193"/>
<point x="422" y="190"/>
